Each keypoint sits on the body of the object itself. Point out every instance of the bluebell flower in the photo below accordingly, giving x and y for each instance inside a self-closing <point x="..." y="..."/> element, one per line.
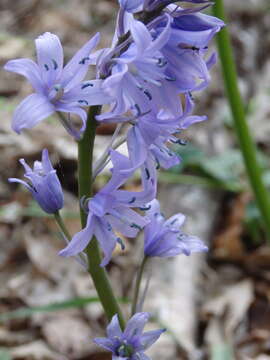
<point x="56" y="88"/>
<point x="43" y="184"/>
<point x="131" y="343"/>
<point x="186" y="49"/>
<point x="110" y="210"/>
<point x="164" y="238"/>
<point x="130" y="5"/>
<point x="137" y="77"/>
<point x="151" y="132"/>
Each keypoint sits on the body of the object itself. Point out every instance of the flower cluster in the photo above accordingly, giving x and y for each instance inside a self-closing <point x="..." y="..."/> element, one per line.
<point x="158" y="57"/>
<point x="151" y="63"/>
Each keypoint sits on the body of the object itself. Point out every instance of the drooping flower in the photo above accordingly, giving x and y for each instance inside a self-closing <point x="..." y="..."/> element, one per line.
<point x="151" y="132"/>
<point x="44" y="184"/>
<point x="130" y="5"/>
<point x="137" y="77"/>
<point x="110" y="209"/>
<point x="131" y="343"/>
<point x="164" y="238"/>
<point x="56" y="88"/>
<point x="186" y="49"/>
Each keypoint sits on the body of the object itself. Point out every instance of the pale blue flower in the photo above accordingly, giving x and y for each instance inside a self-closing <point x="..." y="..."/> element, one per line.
<point x="131" y="343"/>
<point x="43" y="184"/>
<point x="57" y="88"/>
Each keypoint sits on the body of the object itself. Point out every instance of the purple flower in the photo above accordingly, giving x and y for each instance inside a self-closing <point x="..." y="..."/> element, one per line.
<point x="186" y="49"/>
<point x="56" y="88"/>
<point x="151" y="132"/>
<point x="137" y="77"/>
<point x="131" y="343"/>
<point x="164" y="238"/>
<point x="130" y="5"/>
<point x="44" y="184"/>
<point x="110" y="209"/>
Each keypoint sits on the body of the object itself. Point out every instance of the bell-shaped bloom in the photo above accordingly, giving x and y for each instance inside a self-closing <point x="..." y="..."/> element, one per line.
<point x="137" y="77"/>
<point x="151" y="132"/>
<point x="57" y="88"/>
<point x="43" y="184"/>
<point x="130" y="5"/>
<point x="110" y="209"/>
<point x="131" y="343"/>
<point x="187" y="47"/>
<point x="164" y="238"/>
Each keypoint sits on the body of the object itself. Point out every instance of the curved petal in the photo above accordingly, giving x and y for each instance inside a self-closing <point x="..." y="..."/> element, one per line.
<point x="76" y="69"/>
<point x="106" y="238"/>
<point x="24" y="183"/>
<point x="87" y="93"/>
<point x="130" y="5"/>
<point x="29" y="69"/>
<point x="49" y="57"/>
<point x="79" y="240"/>
<point x="137" y="148"/>
<point x="73" y="109"/>
<point x="175" y="221"/>
<point x="33" y="109"/>
<point x="136" y="324"/>
<point x="141" y="36"/>
<point x="150" y="337"/>
<point x="105" y="343"/>
<point x="114" y="329"/>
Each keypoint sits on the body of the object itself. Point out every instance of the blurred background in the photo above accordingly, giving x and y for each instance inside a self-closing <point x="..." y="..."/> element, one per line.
<point x="215" y="306"/>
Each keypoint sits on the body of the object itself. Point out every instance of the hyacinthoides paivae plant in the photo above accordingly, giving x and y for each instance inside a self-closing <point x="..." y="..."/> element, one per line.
<point x="159" y="56"/>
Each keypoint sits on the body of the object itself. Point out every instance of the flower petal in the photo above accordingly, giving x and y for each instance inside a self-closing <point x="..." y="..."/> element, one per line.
<point x="79" y="240"/>
<point x="49" y="57"/>
<point x="106" y="238"/>
<point x="76" y="69"/>
<point x="136" y="324"/>
<point x="114" y="329"/>
<point x="27" y="68"/>
<point x="72" y="109"/>
<point x="33" y="109"/>
<point x="150" y="337"/>
<point x="87" y="93"/>
<point x="105" y="343"/>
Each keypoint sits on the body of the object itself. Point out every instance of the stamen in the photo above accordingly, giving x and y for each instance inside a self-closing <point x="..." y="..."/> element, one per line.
<point x="147" y="174"/>
<point x="83" y="102"/>
<point x="147" y="93"/>
<point x="82" y="62"/>
<point x="168" y="78"/>
<point x="59" y="92"/>
<point x="85" y="85"/>
<point x="121" y="243"/>
<point x="132" y="200"/>
<point x="55" y="65"/>
<point x="161" y="62"/>
<point x="46" y="67"/>
<point x="145" y="208"/>
<point x="136" y="226"/>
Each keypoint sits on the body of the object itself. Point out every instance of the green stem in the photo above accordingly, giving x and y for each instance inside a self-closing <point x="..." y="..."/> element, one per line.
<point x="137" y="286"/>
<point x="246" y="143"/>
<point x="98" y="273"/>
<point x="62" y="225"/>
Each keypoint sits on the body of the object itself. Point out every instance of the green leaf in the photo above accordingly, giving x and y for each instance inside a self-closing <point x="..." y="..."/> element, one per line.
<point x="4" y="354"/>
<point x="222" y="352"/>
<point x="72" y="303"/>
